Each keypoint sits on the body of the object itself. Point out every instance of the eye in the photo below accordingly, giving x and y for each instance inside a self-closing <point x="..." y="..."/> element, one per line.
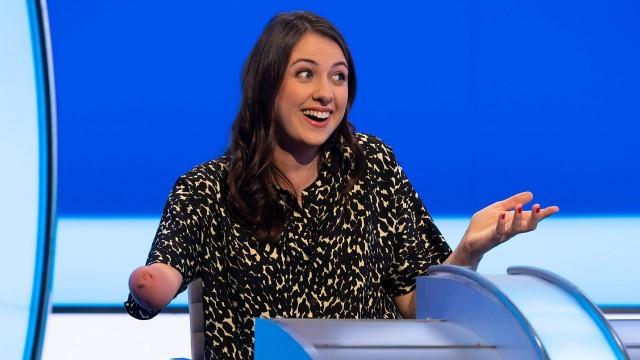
<point x="339" y="77"/>
<point x="304" y="74"/>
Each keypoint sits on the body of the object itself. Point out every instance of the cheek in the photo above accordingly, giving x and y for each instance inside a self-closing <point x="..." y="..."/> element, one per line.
<point x="342" y="97"/>
<point x="284" y="103"/>
<point x="342" y="94"/>
<point x="293" y="94"/>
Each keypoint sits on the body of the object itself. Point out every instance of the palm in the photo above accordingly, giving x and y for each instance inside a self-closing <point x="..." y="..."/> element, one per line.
<point x="503" y="220"/>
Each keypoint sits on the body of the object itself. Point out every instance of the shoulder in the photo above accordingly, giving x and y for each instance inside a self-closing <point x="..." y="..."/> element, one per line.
<point x="370" y="142"/>
<point x="206" y="179"/>
<point x="376" y="152"/>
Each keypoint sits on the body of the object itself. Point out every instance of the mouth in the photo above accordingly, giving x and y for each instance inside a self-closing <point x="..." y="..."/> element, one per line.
<point x="317" y="115"/>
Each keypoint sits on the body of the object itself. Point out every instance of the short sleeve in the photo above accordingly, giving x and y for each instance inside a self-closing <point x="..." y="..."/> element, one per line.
<point x="177" y="240"/>
<point x="418" y="243"/>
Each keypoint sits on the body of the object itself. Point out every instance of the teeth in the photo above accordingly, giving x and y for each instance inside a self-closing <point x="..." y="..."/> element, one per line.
<point x="318" y="114"/>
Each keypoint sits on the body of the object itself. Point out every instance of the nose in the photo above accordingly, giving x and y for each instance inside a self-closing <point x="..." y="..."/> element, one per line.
<point x="322" y="92"/>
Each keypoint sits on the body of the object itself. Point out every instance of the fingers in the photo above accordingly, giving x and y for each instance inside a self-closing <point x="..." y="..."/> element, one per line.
<point x="534" y="218"/>
<point x="516" y="220"/>
<point x="504" y="222"/>
<point x="525" y="221"/>
<point x="536" y="214"/>
<point x="548" y="211"/>
<point x="516" y="223"/>
<point x="515" y="200"/>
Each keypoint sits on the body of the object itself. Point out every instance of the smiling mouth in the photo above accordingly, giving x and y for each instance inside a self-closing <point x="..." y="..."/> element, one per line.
<point x="318" y="116"/>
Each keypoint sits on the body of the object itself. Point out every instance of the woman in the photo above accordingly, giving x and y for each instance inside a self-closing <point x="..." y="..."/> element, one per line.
<point x="302" y="217"/>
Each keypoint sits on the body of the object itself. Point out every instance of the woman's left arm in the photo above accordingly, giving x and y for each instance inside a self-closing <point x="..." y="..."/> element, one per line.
<point x="487" y="229"/>
<point x="496" y="224"/>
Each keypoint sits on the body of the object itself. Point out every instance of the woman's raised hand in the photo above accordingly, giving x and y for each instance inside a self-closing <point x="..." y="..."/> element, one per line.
<point x="496" y="224"/>
<point x="501" y="221"/>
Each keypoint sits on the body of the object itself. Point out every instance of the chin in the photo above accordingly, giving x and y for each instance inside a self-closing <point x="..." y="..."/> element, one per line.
<point x="315" y="140"/>
<point x="319" y="138"/>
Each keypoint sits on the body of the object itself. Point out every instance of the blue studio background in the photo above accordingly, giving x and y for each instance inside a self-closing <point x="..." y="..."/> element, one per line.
<point x="478" y="99"/>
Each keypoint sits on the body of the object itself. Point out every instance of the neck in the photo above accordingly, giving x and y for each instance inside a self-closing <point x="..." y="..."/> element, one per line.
<point x="300" y="166"/>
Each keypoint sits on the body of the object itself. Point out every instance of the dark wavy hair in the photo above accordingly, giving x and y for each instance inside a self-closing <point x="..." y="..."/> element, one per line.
<point x="252" y="195"/>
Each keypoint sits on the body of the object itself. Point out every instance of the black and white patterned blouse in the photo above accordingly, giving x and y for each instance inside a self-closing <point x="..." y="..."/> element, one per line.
<point x="337" y="259"/>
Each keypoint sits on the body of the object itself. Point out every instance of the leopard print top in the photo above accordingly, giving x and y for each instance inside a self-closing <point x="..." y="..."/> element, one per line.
<point x="337" y="258"/>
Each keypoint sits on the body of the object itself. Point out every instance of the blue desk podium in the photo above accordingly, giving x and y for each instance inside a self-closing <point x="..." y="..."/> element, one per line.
<point x="527" y="313"/>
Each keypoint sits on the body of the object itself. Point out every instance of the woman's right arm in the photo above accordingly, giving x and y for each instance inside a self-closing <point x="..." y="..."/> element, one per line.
<point x="154" y="286"/>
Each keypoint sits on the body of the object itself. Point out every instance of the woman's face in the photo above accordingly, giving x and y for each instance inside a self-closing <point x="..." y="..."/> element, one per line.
<point x="313" y="96"/>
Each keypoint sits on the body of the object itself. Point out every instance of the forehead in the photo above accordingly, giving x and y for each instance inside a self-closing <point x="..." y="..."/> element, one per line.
<point x="319" y="48"/>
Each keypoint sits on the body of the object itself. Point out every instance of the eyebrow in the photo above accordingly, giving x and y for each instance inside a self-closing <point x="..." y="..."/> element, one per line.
<point x="311" y="61"/>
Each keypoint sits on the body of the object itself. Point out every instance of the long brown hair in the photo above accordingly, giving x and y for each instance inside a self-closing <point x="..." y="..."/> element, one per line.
<point x="252" y="174"/>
